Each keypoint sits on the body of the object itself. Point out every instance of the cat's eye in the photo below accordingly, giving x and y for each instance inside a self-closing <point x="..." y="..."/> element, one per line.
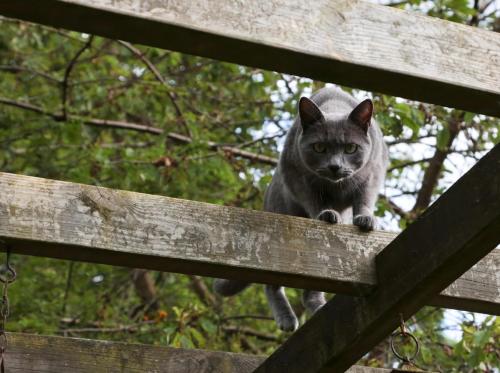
<point x="319" y="147"/>
<point x="350" y="148"/>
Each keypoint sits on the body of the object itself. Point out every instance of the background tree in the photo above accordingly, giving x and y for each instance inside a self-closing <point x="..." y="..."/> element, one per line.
<point x="97" y="111"/>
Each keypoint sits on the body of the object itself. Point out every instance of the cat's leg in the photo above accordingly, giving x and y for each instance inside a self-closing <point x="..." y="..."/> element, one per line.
<point x="313" y="300"/>
<point x="363" y="207"/>
<point x="227" y="288"/>
<point x="281" y="309"/>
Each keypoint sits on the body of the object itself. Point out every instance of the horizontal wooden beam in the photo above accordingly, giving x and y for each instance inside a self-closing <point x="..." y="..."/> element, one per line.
<point x="88" y="223"/>
<point x="424" y="259"/>
<point x="353" y="43"/>
<point x="43" y="354"/>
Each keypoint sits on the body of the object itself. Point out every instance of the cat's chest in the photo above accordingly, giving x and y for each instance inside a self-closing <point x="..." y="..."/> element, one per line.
<point x="325" y="195"/>
<point x="331" y="197"/>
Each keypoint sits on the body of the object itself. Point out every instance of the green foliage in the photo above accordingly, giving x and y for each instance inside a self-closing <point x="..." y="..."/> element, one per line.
<point x="205" y="100"/>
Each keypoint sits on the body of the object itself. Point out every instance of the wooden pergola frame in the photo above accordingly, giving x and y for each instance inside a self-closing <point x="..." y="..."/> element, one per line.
<point x="377" y="276"/>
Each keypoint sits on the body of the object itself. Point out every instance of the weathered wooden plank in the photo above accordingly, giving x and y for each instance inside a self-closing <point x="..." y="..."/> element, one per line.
<point x="424" y="259"/>
<point x="354" y="43"/>
<point x="88" y="223"/>
<point x="33" y="353"/>
<point x="41" y="354"/>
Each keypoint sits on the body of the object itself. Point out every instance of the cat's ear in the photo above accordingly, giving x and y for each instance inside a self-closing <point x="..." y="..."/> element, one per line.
<point x="362" y="114"/>
<point x="309" y="113"/>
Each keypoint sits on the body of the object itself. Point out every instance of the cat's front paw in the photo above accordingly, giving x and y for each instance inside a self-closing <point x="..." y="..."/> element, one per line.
<point x="287" y="322"/>
<point x="330" y="216"/>
<point x="365" y="222"/>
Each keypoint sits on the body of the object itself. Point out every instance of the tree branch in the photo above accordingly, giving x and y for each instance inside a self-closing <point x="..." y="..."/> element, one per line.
<point x="408" y="163"/>
<point x="251" y="332"/>
<point x="160" y="78"/>
<point x="394" y="207"/>
<point x="16" y="69"/>
<point x="431" y="175"/>
<point x="29" y="107"/>
<point x="229" y="150"/>
<point x="145" y="289"/>
<point x="67" y="73"/>
<point x="242" y="317"/>
<point x="121" y="328"/>
<point x="202" y="291"/>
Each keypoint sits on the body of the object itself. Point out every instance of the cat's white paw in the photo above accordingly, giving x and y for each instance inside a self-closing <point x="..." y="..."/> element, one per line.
<point x="330" y="216"/>
<point x="287" y="323"/>
<point x="365" y="222"/>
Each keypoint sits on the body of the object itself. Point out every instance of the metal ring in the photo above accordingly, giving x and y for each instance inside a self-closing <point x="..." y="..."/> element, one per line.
<point x="3" y="341"/>
<point x="406" y="335"/>
<point x="10" y="274"/>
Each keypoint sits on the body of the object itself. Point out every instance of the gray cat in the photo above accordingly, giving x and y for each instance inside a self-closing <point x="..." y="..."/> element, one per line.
<point x="332" y="167"/>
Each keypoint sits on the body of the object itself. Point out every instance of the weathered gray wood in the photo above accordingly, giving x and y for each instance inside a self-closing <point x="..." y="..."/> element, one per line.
<point x="81" y="222"/>
<point x="350" y="42"/>
<point x="424" y="259"/>
<point x="41" y="354"/>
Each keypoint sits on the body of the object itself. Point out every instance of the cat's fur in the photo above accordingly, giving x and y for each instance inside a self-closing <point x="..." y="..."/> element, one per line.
<point x="323" y="181"/>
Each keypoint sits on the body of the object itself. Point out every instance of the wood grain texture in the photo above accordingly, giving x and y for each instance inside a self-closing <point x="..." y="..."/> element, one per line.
<point x="423" y="260"/>
<point x="41" y="354"/>
<point x="349" y="42"/>
<point x="88" y="223"/>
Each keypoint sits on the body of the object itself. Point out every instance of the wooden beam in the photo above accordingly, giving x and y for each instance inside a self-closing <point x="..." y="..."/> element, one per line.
<point x="353" y="43"/>
<point x="41" y="354"/>
<point x="88" y="223"/>
<point x="423" y="260"/>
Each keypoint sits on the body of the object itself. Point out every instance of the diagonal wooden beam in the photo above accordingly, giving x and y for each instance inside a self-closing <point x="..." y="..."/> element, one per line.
<point x="460" y="228"/>
<point x="44" y="354"/>
<point x="83" y="222"/>
<point x="349" y="42"/>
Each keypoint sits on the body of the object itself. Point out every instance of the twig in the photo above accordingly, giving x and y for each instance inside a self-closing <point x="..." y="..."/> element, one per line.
<point x="229" y="149"/>
<point x="202" y="291"/>
<point x="431" y="174"/>
<point x="29" y="107"/>
<point x="121" y="328"/>
<point x="122" y="125"/>
<point x="241" y="317"/>
<point x="67" y="73"/>
<point x="68" y="286"/>
<point x="394" y="207"/>
<point x="408" y="163"/>
<point x="160" y="78"/>
<point x="407" y="141"/>
<point x="234" y="151"/>
<point x="251" y="332"/>
<point x="16" y="69"/>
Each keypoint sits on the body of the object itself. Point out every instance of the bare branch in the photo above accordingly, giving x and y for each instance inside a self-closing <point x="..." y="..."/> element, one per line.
<point x="242" y="317"/>
<point x="146" y="290"/>
<point x="251" y="332"/>
<point x="67" y="73"/>
<point x="29" y="107"/>
<point x="431" y="175"/>
<point x="202" y="291"/>
<point x="394" y="207"/>
<point x="16" y="69"/>
<point x="160" y="78"/>
<point x="121" y="328"/>
<point x="408" y="163"/>
<point x="122" y="125"/>
<point x="229" y="150"/>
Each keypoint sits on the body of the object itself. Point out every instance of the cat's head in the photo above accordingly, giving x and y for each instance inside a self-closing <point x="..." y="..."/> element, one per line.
<point x="334" y="146"/>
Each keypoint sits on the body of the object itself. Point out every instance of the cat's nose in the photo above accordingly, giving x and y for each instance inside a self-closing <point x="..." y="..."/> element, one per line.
<point x="334" y="168"/>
